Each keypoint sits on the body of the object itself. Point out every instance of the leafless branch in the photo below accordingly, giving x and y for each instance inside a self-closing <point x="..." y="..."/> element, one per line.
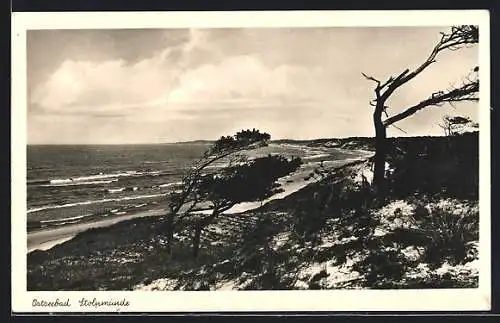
<point x="393" y="125"/>
<point x="444" y="127"/>
<point x="371" y="78"/>
<point x="385" y="111"/>
<point x="468" y="92"/>
<point x="458" y="37"/>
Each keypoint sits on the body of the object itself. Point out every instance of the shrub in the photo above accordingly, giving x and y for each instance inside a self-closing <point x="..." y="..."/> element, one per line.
<point x="450" y="234"/>
<point x="382" y="268"/>
<point x="309" y="218"/>
<point x="448" y="165"/>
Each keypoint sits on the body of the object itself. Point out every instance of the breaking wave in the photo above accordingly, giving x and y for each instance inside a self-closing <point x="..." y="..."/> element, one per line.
<point x="126" y="198"/>
<point x="170" y="184"/>
<point x="91" y="179"/>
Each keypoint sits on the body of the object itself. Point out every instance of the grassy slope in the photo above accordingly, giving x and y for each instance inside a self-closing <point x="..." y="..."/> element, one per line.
<point x="332" y="234"/>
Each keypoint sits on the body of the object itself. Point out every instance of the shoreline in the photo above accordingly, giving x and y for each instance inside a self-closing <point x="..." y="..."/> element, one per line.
<point x="43" y="240"/>
<point x="46" y="239"/>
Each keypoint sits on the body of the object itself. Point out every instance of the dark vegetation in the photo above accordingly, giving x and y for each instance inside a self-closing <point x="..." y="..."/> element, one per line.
<point x="242" y="248"/>
<point x="426" y="164"/>
<point x="435" y="165"/>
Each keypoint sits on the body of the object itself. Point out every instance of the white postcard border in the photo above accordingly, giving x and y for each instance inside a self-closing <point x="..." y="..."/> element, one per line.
<point x="248" y="301"/>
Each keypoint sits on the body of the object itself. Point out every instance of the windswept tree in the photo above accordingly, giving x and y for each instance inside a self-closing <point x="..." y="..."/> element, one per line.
<point x="183" y="201"/>
<point x="457" y="124"/>
<point x="458" y="37"/>
<point x="252" y="181"/>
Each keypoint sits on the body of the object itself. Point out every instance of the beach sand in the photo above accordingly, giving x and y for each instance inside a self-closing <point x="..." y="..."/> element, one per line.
<point x="46" y="239"/>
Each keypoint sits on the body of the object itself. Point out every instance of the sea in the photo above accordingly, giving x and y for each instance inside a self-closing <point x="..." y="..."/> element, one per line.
<point x="68" y="184"/>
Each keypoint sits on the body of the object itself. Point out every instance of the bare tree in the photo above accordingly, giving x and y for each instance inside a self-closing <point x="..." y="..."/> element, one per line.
<point x="457" y="38"/>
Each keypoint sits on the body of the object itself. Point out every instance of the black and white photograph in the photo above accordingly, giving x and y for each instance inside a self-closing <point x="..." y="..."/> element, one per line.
<point x="240" y="158"/>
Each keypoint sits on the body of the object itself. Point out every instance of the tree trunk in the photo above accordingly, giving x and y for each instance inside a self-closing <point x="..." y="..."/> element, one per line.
<point x="380" y="153"/>
<point x="200" y="225"/>
<point x="196" y="240"/>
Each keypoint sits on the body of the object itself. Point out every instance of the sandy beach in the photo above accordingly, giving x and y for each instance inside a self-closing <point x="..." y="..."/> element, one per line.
<point x="46" y="239"/>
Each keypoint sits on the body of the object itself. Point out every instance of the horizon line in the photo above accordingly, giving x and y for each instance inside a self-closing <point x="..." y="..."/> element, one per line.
<point x="213" y="140"/>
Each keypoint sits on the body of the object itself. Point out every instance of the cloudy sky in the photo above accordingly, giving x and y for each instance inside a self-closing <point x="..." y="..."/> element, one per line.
<point x="165" y="85"/>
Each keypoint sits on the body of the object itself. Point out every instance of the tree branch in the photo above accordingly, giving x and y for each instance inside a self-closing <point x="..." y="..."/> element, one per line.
<point x="393" y="125"/>
<point x="377" y="88"/>
<point x="193" y="176"/>
<point x="457" y="38"/>
<point x="466" y="93"/>
<point x="371" y="78"/>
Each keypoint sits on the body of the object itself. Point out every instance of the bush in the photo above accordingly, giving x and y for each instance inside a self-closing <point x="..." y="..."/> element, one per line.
<point x="450" y="235"/>
<point x="383" y="267"/>
<point x="254" y="241"/>
<point x="435" y="165"/>
<point x="309" y="219"/>
<point x="253" y="181"/>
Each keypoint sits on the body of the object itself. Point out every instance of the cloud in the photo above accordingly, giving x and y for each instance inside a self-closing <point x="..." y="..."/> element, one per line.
<point x="204" y="83"/>
<point x="94" y="86"/>
<point x="245" y="79"/>
<point x="79" y="85"/>
<point x="175" y="78"/>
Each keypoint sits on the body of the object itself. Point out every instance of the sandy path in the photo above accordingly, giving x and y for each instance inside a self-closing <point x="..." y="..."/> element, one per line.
<point x="292" y="183"/>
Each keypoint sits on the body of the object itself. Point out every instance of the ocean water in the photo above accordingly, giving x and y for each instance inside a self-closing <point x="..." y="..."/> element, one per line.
<point x="69" y="184"/>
